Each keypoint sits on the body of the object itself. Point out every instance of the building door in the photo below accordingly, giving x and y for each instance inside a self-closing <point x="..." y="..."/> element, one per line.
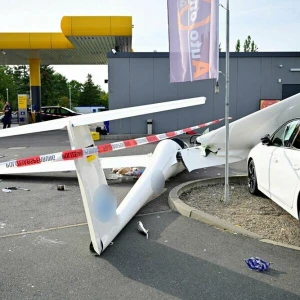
<point x="289" y="90"/>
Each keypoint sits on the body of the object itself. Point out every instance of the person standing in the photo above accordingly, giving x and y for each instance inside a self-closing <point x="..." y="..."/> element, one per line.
<point x="7" y="115"/>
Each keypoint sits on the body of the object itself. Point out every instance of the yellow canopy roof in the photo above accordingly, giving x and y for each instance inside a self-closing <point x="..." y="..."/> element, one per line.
<point x="83" y="40"/>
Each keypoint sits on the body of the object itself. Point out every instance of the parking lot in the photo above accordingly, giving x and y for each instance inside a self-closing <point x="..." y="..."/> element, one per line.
<point x="45" y="243"/>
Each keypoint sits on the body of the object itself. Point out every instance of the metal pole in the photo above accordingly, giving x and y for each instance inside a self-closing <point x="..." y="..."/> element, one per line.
<point x="70" y="97"/>
<point x="226" y="198"/>
<point x="6" y="94"/>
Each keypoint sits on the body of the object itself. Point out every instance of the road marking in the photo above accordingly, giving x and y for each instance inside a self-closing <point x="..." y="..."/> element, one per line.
<point x="42" y="230"/>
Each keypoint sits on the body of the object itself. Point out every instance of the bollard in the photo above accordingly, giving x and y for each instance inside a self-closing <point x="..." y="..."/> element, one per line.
<point x="149" y="126"/>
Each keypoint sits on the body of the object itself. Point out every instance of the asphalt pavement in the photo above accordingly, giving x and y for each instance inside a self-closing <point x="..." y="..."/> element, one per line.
<point x="44" y="243"/>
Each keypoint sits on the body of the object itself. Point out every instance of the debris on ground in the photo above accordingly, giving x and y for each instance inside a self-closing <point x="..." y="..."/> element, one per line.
<point x="124" y="170"/>
<point x="117" y="173"/>
<point x="113" y="176"/>
<point x="127" y="171"/>
<point x="6" y="191"/>
<point x="142" y="229"/>
<point x="17" y="188"/>
<point x="257" y="264"/>
<point x="60" y="187"/>
<point x="137" y="173"/>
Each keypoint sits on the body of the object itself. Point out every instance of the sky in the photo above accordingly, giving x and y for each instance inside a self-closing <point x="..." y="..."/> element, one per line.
<point x="273" y="24"/>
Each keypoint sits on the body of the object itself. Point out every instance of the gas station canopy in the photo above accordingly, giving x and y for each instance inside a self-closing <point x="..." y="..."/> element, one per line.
<point x="83" y="41"/>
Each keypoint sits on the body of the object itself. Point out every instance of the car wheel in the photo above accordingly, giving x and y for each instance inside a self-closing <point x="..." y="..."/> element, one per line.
<point x="252" y="179"/>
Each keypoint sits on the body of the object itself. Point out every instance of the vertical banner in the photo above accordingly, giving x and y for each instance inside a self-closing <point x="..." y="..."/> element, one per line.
<point x="193" y="39"/>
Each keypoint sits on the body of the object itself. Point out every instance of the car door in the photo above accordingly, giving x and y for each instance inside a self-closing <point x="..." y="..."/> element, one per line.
<point x="45" y="114"/>
<point x="262" y="161"/>
<point x="284" y="165"/>
<point x="54" y="113"/>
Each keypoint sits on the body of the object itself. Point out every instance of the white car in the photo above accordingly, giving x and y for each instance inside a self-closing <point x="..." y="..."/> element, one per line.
<point x="274" y="167"/>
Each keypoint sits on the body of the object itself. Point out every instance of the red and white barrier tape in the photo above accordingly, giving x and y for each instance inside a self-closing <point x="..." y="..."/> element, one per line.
<point x="52" y="115"/>
<point x="79" y="153"/>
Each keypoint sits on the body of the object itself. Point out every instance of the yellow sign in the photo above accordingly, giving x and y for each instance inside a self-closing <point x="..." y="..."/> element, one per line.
<point x="22" y="101"/>
<point x="91" y="158"/>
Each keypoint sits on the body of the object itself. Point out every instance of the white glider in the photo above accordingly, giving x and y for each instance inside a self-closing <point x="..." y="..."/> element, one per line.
<point x="105" y="219"/>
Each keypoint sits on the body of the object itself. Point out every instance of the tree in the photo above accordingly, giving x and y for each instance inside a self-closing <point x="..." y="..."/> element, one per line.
<point x="64" y="101"/>
<point x="249" y="45"/>
<point x="104" y="99"/>
<point x="60" y="84"/>
<point x="55" y="89"/>
<point x="238" y="46"/>
<point x="47" y="85"/>
<point x="7" y="87"/>
<point x="76" y="89"/>
<point x="253" y="47"/>
<point x="21" y="79"/>
<point x="54" y="86"/>
<point x="90" y="93"/>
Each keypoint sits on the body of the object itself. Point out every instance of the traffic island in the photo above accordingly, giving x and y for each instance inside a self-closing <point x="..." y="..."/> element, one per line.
<point x="220" y="219"/>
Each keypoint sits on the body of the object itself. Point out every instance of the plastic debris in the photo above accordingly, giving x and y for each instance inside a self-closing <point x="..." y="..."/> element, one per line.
<point x="17" y="188"/>
<point x="128" y="171"/>
<point x="141" y="229"/>
<point x="113" y="176"/>
<point x="123" y="170"/>
<point x="137" y="173"/>
<point x="6" y="191"/>
<point x="257" y="264"/>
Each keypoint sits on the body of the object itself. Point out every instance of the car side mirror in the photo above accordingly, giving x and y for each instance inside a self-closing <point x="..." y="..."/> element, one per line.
<point x="266" y="140"/>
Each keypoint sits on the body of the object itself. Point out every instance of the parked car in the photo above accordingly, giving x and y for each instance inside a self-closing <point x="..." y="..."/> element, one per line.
<point x="274" y="167"/>
<point x="56" y="112"/>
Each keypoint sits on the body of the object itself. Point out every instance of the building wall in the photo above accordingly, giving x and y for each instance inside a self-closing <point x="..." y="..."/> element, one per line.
<point x="143" y="78"/>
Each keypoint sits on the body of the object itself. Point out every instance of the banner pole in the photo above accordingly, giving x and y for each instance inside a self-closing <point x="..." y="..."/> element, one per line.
<point x="226" y="196"/>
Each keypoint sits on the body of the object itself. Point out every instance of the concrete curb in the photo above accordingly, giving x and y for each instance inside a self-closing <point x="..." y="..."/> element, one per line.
<point x="179" y="206"/>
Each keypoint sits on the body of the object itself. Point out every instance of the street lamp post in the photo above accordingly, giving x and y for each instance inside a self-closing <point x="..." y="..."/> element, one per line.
<point x="227" y="106"/>
<point x="6" y="94"/>
<point x="70" y="97"/>
<point x="226" y="75"/>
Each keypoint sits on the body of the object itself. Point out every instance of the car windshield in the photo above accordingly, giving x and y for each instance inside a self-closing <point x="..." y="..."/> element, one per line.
<point x="65" y="111"/>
